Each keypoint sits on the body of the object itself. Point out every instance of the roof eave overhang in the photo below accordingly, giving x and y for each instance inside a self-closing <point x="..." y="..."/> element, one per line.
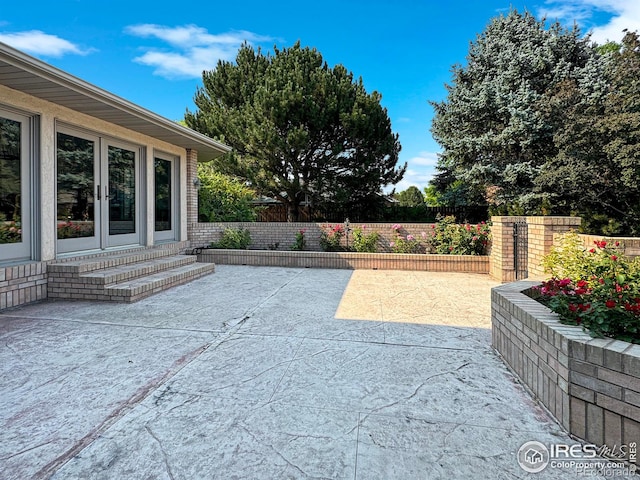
<point x="24" y="73"/>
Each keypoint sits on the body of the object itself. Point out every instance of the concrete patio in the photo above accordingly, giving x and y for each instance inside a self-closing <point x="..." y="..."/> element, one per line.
<point x="267" y="373"/>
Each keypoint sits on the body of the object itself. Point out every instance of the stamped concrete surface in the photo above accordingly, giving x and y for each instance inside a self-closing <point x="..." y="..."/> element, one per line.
<point x="267" y="373"/>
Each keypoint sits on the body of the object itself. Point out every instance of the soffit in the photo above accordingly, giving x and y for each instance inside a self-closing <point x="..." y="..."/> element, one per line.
<point x="34" y="77"/>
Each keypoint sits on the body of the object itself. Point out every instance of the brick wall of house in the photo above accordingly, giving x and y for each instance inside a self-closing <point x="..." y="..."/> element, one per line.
<point x="22" y="284"/>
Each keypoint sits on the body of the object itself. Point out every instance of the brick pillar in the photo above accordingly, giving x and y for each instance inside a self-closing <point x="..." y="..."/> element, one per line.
<point x="541" y="232"/>
<point x="192" y="191"/>
<point x="502" y="261"/>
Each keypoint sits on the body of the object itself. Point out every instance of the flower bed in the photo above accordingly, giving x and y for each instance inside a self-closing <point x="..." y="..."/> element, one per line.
<point x="590" y="385"/>
<point x="598" y="288"/>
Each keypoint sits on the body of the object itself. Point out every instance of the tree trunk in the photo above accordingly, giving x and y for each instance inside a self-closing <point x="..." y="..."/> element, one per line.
<point x="292" y="211"/>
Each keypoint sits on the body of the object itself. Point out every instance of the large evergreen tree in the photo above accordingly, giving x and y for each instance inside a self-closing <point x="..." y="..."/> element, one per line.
<point x="411" y="197"/>
<point x="596" y="173"/>
<point x="494" y="126"/>
<point x="300" y="129"/>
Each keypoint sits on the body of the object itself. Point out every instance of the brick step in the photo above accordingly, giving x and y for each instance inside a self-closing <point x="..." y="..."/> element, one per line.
<point x="138" y="288"/>
<point x="109" y="261"/>
<point x="128" y="271"/>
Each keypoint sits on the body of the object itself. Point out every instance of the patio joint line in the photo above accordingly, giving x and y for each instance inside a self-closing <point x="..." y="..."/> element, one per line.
<point x="141" y="394"/>
<point x="295" y="355"/>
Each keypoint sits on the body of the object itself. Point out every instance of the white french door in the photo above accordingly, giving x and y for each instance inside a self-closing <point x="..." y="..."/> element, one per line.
<point x="98" y="192"/>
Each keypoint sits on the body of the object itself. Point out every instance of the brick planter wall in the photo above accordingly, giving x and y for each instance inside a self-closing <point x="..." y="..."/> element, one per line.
<point x="591" y="386"/>
<point x="631" y="246"/>
<point x="349" y="260"/>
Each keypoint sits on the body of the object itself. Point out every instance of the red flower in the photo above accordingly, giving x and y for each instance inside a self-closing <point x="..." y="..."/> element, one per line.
<point x="614" y="258"/>
<point x="593" y="250"/>
<point x="601" y="244"/>
<point x="582" y="284"/>
<point x="617" y="244"/>
<point x="573" y="307"/>
<point x="610" y="303"/>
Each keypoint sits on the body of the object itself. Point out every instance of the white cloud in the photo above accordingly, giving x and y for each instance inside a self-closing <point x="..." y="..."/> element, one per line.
<point x="195" y="48"/>
<point x="624" y="14"/>
<point x="40" y="43"/>
<point x="425" y="159"/>
<point x="420" y="170"/>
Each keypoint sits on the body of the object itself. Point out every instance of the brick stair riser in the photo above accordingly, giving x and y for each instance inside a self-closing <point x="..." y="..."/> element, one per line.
<point x="101" y="263"/>
<point x="138" y="272"/>
<point x="141" y="293"/>
<point x="82" y="291"/>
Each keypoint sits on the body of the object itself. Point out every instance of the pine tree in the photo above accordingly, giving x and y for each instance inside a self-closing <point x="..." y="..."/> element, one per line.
<point x="493" y="126"/>
<point x="300" y="130"/>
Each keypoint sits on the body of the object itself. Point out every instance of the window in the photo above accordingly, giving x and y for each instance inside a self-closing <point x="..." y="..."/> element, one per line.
<point x="15" y="192"/>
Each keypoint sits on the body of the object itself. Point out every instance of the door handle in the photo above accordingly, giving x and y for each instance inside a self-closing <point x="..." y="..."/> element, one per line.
<point x="98" y="196"/>
<point x="106" y="192"/>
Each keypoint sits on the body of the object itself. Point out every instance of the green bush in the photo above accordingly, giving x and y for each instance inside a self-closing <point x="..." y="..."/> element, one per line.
<point x="365" y="242"/>
<point x="300" y="242"/>
<point x="449" y="238"/>
<point x="597" y="288"/>
<point x="233" y="238"/>
<point x="331" y="238"/>
<point x="222" y="198"/>
<point x="404" y="243"/>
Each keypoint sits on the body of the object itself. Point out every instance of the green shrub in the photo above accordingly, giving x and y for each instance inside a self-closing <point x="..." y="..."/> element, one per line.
<point x="365" y="242"/>
<point x="331" y="238"/>
<point x="597" y="288"/>
<point x="300" y="242"/>
<point x="449" y="238"/>
<point x="404" y="243"/>
<point x="222" y="198"/>
<point x="234" y="238"/>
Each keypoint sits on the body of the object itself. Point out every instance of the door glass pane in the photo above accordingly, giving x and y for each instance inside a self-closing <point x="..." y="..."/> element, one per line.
<point x="122" y="191"/>
<point x="163" y="194"/>
<point x="10" y="182"/>
<point x="75" y="181"/>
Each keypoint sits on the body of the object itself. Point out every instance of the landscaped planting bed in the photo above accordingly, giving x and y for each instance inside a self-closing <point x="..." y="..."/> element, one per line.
<point x="590" y="385"/>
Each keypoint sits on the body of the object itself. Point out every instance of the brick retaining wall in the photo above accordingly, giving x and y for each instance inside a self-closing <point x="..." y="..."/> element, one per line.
<point x="591" y="386"/>
<point x="631" y="245"/>
<point x="349" y="260"/>
<point x="265" y="235"/>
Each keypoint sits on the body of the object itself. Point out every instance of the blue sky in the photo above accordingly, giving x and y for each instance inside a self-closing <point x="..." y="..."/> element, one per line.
<point x="153" y="53"/>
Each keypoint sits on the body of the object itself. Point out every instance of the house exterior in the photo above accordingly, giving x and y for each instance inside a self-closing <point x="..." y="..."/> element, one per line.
<point x="85" y="173"/>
